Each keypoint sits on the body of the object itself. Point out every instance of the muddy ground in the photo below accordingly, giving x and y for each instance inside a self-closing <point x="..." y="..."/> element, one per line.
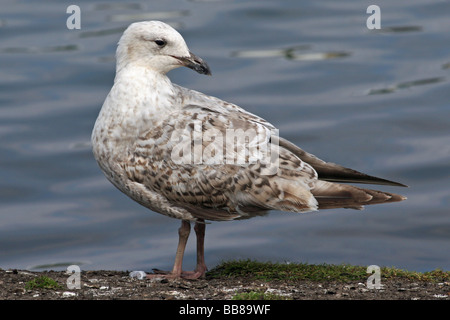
<point x="117" y="285"/>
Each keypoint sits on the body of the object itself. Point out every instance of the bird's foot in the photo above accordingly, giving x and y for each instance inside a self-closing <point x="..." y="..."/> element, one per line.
<point x="196" y="274"/>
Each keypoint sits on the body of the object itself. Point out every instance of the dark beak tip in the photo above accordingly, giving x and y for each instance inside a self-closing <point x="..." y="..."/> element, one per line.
<point x="201" y="67"/>
<point x="197" y="64"/>
<point x="207" y="72"/>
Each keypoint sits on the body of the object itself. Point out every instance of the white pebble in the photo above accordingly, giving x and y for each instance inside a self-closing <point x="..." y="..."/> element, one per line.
<point x="67" y="294"/>
<point x="138" y="274"/>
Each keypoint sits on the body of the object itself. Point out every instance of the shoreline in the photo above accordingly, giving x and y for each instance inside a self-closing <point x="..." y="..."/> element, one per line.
<point x="246" y="281"/>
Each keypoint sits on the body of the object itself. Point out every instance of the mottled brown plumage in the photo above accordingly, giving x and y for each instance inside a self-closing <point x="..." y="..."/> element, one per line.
<point x="194" y="157"/>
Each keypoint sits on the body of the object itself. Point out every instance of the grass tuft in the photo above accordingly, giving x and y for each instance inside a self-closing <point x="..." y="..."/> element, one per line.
<point x="259" y="295"/>
<point x="315" y="272"/>
<point x="42" y="282"/>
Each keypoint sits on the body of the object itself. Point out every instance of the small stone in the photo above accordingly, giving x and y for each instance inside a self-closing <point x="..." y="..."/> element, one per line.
<point x="138" y="274"/>
<point x="349" y="287"/>
<point x="159" y="280"/>
<point x="13" y="271"/>
<point x="67" y="294"/>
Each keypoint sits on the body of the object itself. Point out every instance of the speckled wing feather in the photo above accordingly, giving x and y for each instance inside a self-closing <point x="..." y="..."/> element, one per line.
<point x="333" y="172"/>
<point x="192" y="97"/>
<point x="185" y="160"/>
<point x="218" y="188"/>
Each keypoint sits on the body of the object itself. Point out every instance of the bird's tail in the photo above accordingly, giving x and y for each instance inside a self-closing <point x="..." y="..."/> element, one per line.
<point x="335" y="195"/>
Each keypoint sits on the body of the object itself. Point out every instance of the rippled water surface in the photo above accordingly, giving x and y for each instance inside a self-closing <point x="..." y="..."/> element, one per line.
<point x="374" y="100"/>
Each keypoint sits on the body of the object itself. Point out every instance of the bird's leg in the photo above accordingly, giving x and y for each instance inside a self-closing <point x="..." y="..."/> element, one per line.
<point x="200" y="269"/>
<point x="199" y="228"/>
<point x="177" y="271"/>
<point x="183" y="235"/>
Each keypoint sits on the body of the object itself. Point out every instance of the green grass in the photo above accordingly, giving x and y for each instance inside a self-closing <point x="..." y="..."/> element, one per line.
<point x="316" y="272"/>
<point x="42" y="282"/>
<point x="258" y="295"/>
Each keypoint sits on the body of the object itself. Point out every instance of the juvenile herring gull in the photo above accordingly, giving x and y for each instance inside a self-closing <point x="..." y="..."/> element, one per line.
<point x="168" y="148"/>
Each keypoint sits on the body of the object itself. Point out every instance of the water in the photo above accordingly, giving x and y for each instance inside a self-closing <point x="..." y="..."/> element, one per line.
<point x="377" y="101"/>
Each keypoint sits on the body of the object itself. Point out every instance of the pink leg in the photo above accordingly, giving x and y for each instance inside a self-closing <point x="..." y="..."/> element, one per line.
<point x="183" y="233"/>
<point x="200" y="269"/>
<point x="200" y="233"/>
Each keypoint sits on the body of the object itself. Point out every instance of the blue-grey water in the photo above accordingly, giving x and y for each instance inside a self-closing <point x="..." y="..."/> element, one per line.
<point x="374" y="100"/>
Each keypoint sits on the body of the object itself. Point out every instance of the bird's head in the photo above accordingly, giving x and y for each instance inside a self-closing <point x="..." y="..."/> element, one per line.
<point x="158" y="46"/>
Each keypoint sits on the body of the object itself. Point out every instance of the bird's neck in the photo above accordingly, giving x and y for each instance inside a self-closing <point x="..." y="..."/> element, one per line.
<point x="140" y="92"/>
<point x="139" y="100"/>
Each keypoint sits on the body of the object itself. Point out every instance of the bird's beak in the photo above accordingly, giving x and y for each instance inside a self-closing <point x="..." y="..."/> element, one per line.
<point x="195" y="63"/>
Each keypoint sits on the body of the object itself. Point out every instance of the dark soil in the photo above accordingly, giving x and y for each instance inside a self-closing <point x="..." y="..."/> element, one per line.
<point x="112" y="285"/>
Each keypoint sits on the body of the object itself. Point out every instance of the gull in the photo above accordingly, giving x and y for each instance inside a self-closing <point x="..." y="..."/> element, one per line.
<point x="166" y="147"/>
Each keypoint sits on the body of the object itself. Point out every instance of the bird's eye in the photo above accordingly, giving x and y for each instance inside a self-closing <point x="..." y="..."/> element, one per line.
<point x="160" y="43"/>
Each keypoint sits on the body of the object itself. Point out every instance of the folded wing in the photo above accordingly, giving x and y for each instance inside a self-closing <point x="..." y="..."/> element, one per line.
<point x="189" y="160"/>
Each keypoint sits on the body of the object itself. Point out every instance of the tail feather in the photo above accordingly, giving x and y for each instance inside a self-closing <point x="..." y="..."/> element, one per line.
<point x="333" y="172"/>
<point x="334" y="195"/>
